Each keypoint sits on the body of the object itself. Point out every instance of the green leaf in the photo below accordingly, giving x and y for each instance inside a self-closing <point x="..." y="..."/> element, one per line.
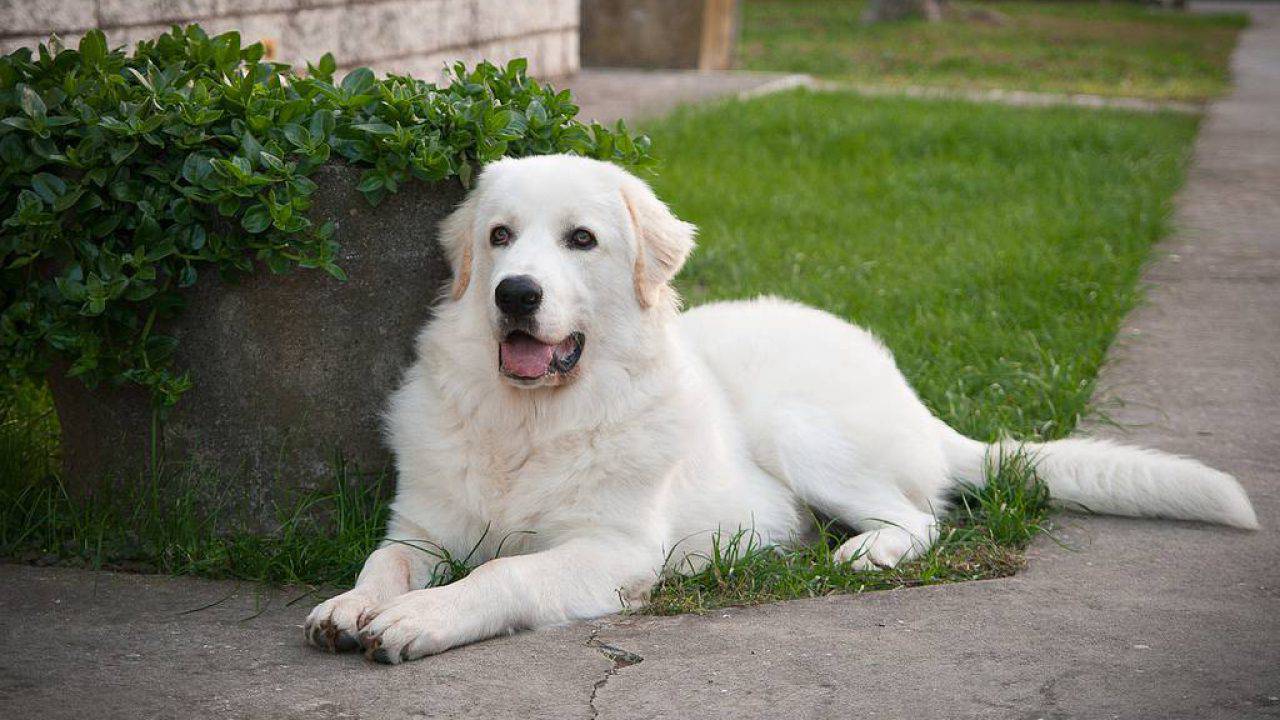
<point x="147" y="232"/>
<point x="196" y="168"/>
<point x="250" y="149"/>
<point x="120" y="153"/>
<point x="498" y="121"/>
<point x="536" y="114"/>
<point x="377" y="128"/>
<point x="71" y="289"/>
<point x="104" y="226"/>
<point x="296" y="136"/>
<point x="253" y="53"/>
<point x="358" y="81"/>
<point x="48" y="187"/>
<point x="32" y="104"/>
<point x="256" y="219"/>
<point x="322" y="125"/>
<point x="196" y="238"/>
<point x="19" y="122"/>
<point x="65" y="201"/>
<point x="271" y="161"/>
<point x="328" y="65"/>
<point x="139" y="292"/>
<point x="370" y="181"/>
<point x="336" y="271"/>
<point x="93" y="48"/>
<point x="303" y="185"/>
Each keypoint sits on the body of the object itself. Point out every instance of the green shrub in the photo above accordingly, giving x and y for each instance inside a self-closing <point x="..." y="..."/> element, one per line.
<point x="124" y="176"/>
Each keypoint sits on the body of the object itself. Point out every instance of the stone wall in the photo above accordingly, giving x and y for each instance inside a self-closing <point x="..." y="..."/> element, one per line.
<point x="417" y="37"/>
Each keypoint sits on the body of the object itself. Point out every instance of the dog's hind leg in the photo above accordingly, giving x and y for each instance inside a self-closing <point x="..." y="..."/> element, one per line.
<point x="892" y="529"/>
<point x="883" y="482"/>
<point x="890" y="544"/>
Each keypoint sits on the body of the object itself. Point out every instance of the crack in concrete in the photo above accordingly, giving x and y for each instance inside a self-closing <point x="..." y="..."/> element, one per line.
<point x="618" y="659"/>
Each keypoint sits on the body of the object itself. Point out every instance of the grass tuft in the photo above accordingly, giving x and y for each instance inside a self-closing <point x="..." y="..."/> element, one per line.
<point x="982" y="537"/>
<point x="191" y="525"/>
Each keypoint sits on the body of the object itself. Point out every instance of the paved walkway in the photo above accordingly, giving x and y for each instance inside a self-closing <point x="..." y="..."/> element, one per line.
<point x="605" y="95"/>
<point x="1139" y="620"/>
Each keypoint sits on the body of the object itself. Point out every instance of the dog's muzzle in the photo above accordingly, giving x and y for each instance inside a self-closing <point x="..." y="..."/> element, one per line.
<point x="524" y="357"/>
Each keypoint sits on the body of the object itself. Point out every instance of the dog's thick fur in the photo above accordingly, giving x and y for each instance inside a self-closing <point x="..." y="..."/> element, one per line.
<point x="670" y="429"/>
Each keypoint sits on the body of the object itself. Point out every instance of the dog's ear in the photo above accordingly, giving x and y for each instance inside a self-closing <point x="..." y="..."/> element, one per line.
<point x="456" y="240"/>
<point x="664" y="241"/>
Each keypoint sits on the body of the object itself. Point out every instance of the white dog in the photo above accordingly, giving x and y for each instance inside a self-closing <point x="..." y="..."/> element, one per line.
<point x="564" y="414"/>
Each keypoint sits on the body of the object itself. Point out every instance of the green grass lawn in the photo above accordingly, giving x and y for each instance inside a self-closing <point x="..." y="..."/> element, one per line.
<point x="994" y="249"/>
<point x="1090" y="47"/>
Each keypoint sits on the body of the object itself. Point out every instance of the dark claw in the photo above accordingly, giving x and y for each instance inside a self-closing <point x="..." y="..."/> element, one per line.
<point x="327" y="633"/>
<point x="316" y="636"/>
<point x="344" y="642"/>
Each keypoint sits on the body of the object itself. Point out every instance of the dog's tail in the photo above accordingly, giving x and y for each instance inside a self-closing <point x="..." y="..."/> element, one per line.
<point x="1104" y="477"/>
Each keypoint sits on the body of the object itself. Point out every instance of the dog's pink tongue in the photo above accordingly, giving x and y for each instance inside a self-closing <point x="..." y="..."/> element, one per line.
<point x="526" y="357"/>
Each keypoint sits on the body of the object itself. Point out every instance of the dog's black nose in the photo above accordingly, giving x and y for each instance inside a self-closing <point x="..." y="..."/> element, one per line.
<point x="518" y="296"/>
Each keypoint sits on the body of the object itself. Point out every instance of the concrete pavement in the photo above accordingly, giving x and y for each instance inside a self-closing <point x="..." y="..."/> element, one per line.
<point x="605" y="95"/>
<point x="1133" y="619"/>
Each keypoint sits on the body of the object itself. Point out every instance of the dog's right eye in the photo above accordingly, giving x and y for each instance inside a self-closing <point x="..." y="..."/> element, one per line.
<point x="500" y="235"/>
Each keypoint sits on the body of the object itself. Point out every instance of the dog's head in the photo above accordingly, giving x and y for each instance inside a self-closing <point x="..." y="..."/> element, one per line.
<point x="564" y="257"/>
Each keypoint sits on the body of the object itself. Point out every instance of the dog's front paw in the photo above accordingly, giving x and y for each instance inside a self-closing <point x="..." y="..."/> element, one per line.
<point x="411" y="626"/>
<point x="334" y="623"/>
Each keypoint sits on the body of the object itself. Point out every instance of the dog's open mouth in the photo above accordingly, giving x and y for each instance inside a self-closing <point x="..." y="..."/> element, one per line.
<point x="525" y="357"/>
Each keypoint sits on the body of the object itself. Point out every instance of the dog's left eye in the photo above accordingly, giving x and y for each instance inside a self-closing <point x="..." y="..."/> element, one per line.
<point x="500" y="235"/>
<point x="582" y="239"/>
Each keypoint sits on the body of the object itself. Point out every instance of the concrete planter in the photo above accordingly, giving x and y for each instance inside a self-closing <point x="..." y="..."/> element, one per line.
<point x="289" y="370"/>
